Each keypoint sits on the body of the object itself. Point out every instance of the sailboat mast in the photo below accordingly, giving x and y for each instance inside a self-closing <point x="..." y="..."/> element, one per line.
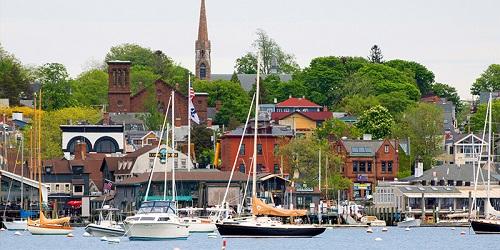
<point x="489" y="150"/>
<point x="22" y="171"/>
<point x="173" y="146"/>
<point x="255" y="129"/>
<point x="39" y="163"/>
<point x="189" y="123"/>
<point x="165" y="172"/>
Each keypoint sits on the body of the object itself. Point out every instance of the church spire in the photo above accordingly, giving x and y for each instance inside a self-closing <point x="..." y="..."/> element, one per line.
<point x="202" y="47"/>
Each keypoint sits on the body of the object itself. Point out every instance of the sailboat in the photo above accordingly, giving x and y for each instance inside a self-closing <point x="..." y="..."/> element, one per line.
<point x="44" y="226"/>
<point x="265" y="226"/>
<point x="491" y="223"/>
<point x="18" y="225"/>
<point x="158" y="219"/>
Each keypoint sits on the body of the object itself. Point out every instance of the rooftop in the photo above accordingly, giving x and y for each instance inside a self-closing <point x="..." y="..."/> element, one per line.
<point x="298" y="102"/>
<point x="210" y="175"/>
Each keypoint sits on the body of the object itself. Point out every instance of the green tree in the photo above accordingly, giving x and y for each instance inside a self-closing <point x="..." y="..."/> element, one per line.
<point x="300" y="156"/>
<point x="423" y="77"/>
<point x="234" y="99"/>
<point x="90" y="88"/>
<point x="376" y="54"/>
<point x="56" y="86"/>
<point x="478" y="118"/>
<point x="376" y="121"/>
<point x="271" y="54"/>
<point x="153" y="119"/>
<point x="14" y="78"/>
<point x="448" y="92"/>
<point x="201" y="138"/>
<point x="396" y="102"/>
<point x="335" y="129"/>
<point x="142" y="77"/>
<point x="357" y="104"/>
<point x="488" y="81"/>
<point x="423" y="124"/>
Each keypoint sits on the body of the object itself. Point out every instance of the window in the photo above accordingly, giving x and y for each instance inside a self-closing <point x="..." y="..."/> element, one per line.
<point x="48" y="169"/>
<point x="389" y="167"/>
<point x="66" y="188"/>
<point x="259" y="168"/>
<point x="203" y="71"/>
<point x="276" y="169"/>
<point x="386" y="149"/>
<point x="242" y="168"/>
<point x="300" y="200"/>
<point x="452" y="150"/>
<point x="77" y="169"/>
<point x="57" y="188"/>
<point x="354" y="166"/>
<point x="106" y="145"/>
<point x="384" y="166"/>
<point x="285" y="110"/>
<point x="259" y="149"/>
<point x="242" y="149"/>
<point x="369" y="167"/>
<point x="362" y="167"/>
<point x="119" y="103"/>
<point x="78" y="189"/>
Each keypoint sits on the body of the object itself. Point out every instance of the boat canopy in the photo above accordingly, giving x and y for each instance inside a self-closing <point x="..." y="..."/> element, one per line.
<point x="261" y="208"/>
<point x="44" y="221"/>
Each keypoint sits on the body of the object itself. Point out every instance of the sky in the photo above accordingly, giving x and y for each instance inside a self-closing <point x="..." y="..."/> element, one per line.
<point x="456" y="39"/>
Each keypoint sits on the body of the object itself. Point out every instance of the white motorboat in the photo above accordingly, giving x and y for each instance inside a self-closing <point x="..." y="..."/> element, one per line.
<point x="156" y="220"/>
<point x="199" y="225"/>
<point x="372" y="221"/>
<point x="16" y="225"/>
<point x="409" y="222"/>
<point x="105" y="226"/>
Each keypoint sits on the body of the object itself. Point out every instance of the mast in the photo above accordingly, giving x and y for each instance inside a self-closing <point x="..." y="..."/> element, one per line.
<point x="255" y="129"/>
<point x="165" y="177"/>
<point x="22" y="171"/>
<point x="319" y="170"/>
<point x="39" y="163"/>
<point x="173" y="147"/>
<point x="489" y="152"/>
<point x="189" y="124"/>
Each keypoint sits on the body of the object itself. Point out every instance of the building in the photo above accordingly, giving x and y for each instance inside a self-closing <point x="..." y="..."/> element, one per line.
<point x="203" y="63"/>
<point x="269" y="138"/>
<point x="120" y="99"/>
<point x="198" y="188"/>
<point x="366" y="162"/>
<point x="302" y="123"/>
<point x="97" y="138"/>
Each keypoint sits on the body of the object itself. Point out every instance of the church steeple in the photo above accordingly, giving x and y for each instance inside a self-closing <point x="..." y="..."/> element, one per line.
<point x="202" y="47"/>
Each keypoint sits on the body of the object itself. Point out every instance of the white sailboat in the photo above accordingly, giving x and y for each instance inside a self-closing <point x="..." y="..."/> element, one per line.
<point x="158" y="219"/>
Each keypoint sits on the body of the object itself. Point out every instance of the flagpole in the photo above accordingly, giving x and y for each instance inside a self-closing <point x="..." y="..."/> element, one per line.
<point x="189" y="123"/>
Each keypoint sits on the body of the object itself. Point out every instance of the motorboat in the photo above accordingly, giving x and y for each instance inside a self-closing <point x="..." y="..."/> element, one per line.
<point x="16" y="225"/>
<point x="409" y="221"/>
<point x="106" y="225"/>
<point x="372" y="221"/>
<point x="156" y="220"/>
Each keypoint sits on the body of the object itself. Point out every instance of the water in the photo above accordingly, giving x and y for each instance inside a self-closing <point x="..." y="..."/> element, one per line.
<point x="342" y="238"/>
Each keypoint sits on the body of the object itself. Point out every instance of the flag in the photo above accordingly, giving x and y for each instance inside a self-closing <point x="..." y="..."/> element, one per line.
<point x="192" y="110"/>
<point x="108" y="186"/>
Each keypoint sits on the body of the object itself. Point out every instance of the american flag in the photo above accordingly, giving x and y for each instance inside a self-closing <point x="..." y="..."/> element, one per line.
<point x="191" y="93"/>
<point x="108" y="185"/>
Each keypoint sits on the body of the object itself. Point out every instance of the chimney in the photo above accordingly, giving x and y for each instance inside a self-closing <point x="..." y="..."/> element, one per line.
<point x="80" y="150"/>
<point x="419" y="168"/>
<point x="367" y="137"/>
<point x="275" y="100"/>
<point x="106" y="119"/>
<point x="325" y="108"/>
<point x="218" y="105"/>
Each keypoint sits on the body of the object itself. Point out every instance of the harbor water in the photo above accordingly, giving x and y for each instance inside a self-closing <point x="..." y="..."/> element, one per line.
<point x="337" y="238"/>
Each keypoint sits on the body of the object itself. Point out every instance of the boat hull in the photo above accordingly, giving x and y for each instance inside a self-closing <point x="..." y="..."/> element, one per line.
<point x="36" y="230"/>
<point x="16" y="225"/>
<point x="485" y="227"/>
<point x="100" y="231"/>
<point x="139" y="230"/>
<point x="410" y="223"/>
<point x="238" y="230"/>
<point x="202" y="227"/>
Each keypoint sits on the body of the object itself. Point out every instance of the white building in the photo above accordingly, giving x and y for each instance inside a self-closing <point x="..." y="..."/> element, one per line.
<point x="99" y="138"/>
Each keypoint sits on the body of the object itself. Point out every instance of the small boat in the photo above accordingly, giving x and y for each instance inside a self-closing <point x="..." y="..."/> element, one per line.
<point x="372" y="221"/>
<point x="106" y="225"/>
<point x="409" y="222"/>
<point x="16" y="225"/>
<point x="44" y="226"/>
<point x="199" y="225"/>
<point x="156" y="220"/>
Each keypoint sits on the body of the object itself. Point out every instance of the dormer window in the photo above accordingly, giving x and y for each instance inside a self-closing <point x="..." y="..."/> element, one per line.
<point x="77" y="169"/>
<point x="48" y="169"/>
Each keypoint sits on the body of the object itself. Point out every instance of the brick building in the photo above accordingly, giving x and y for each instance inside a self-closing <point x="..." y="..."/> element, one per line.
<point x="120" y="99"/>
<point x="366" y="162"/>
<point x="269" y="137"/>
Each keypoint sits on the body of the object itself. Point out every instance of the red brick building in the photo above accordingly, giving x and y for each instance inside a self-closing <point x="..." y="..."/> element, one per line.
<point x="120" y="99"/>
<point x="366" y="162"/>
<point x="269" y="137"/>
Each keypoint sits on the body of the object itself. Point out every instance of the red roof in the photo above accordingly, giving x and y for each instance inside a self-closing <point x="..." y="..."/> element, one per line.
<point x="298" y="102"/>
<point x="315" y="116"/>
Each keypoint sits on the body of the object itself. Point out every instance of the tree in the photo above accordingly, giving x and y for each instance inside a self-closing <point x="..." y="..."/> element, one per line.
<point x="423" y="77"/>
<point x="357" y="104"/>
<point x="201" y="138"/>
<point x="90" y="88"/>
<point x="272" y="55"/>
<point x="153" y="119"/>
<point x="56" y="86"/>
<point x="488" y="81"/>
<point x="335" y="129"/>
<point x="376" y="54"/>
<point x="14" y="79"/>
<point x="51" y="133"/>
<point x="300" y="156"/>
<point x="142" y="77"/>
<point x="234" y="99"/>
<point x="478" y="118"/>
<point x="396" y="102"/>
<point x="423" y="125"/>
<point x="376" y="121"/>
<point x="448" y="92"/>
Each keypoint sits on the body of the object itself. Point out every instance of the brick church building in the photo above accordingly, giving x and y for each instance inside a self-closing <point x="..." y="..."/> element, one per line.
<point x="120" y="99"/>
